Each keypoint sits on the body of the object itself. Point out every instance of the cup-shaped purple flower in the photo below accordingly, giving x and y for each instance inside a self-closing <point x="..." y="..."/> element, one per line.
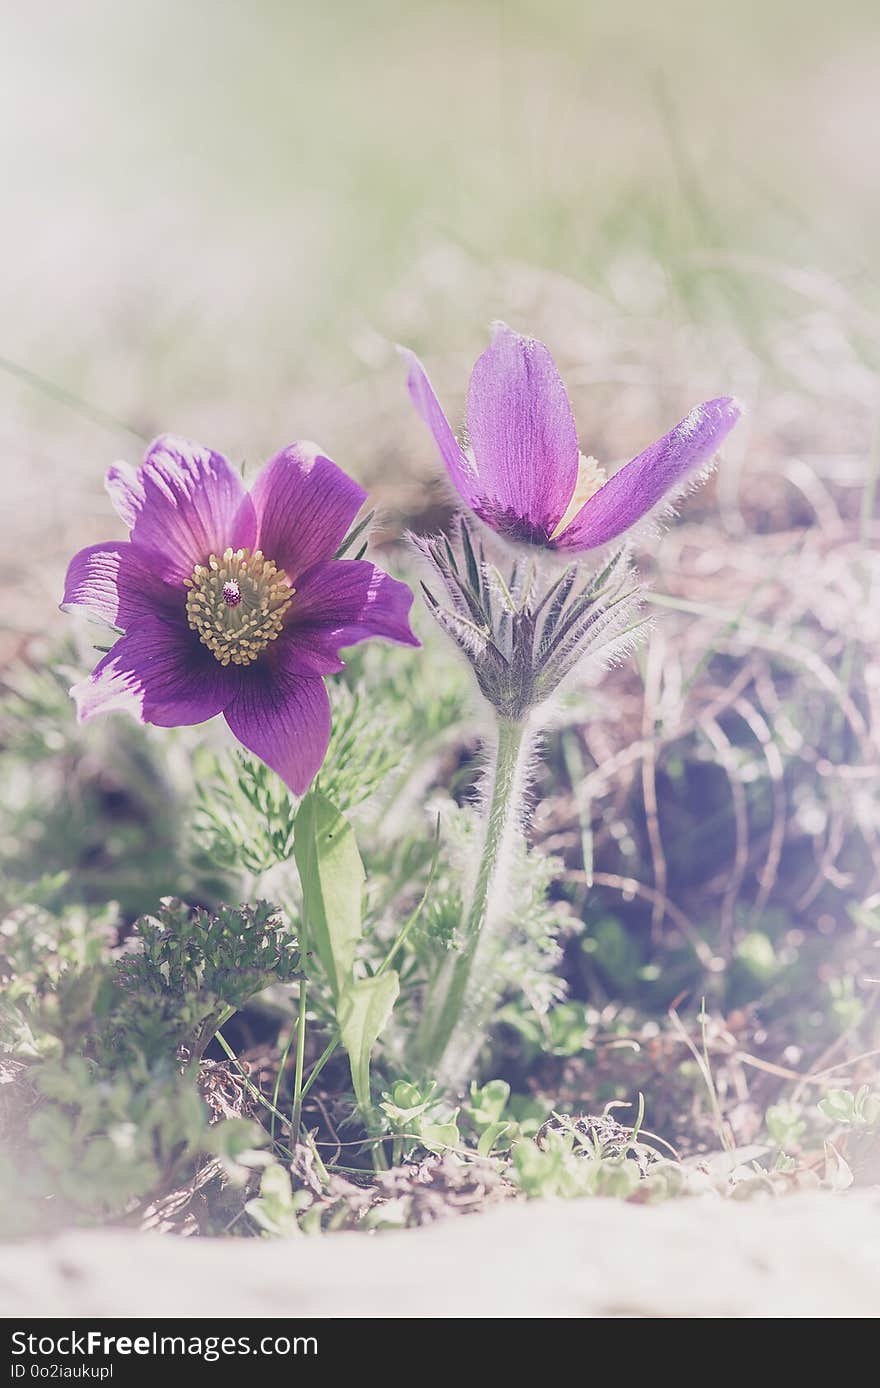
<point x="523" y="473"/>
<point x="231" y="601"/>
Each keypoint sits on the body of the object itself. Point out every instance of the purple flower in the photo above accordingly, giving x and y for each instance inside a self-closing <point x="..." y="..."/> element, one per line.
<point x="231" y="602"/>
<point x="523" y="473"/>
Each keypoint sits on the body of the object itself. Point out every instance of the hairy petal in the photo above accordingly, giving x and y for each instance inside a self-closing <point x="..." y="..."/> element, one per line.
<point x="194" y="505"/>
<point x="522" y="433"/>
<point x="162" y="674"/>
<point x="338" y="604"/>
<point x="114" y="582"/>
<point x="642" y="484"/>
<point x="304" y="506"/>
<point x="462" y="472"/>
<point x="284" y="718"/>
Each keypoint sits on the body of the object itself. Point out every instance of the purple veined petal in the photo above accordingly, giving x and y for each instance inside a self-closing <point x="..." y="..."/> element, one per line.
<point x="641" y="485"/>
<point x="162" y="674"/>
<point x="462" y="472"/>
<point x="283" y="718"/>
<point x="126" y="492"/>
<point x="304" y="506"/>
<point x="114" y="582"/>
<point x="523" y="436"/>
<point x="194" y="505"/>
<point x="338" y="604"/>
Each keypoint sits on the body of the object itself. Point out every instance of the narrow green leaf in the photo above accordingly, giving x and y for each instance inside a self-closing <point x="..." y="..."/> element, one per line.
<point x="353" y="536"/>
<point x="555" y="598"/>
<point x="490" y="1137"/>
<point x="332" y="878"/>
<point x="470" y="559"/>
<point x="362" y="1012"/>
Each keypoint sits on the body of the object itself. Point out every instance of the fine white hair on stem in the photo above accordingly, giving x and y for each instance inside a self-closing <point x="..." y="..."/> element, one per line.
<point x="488" y="903"/>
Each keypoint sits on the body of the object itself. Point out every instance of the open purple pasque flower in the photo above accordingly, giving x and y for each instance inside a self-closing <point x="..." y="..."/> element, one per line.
<point x="231" y="601"/>
<point x="523" y="473"/>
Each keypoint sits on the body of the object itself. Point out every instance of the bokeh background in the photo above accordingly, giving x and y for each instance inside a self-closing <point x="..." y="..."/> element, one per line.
<point x="219" y="219"/>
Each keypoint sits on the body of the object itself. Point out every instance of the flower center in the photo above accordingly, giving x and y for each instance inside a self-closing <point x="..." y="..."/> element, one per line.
<point x="237" y="604"/>
<point x="589" y="479"/>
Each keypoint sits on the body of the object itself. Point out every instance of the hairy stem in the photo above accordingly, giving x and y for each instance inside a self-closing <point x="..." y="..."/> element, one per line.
<point x="452" y="1022"/>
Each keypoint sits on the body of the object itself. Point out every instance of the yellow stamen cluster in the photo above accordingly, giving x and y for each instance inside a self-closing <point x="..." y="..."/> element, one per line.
<point x="237" y="604"/>
<point x="589" y="479"/>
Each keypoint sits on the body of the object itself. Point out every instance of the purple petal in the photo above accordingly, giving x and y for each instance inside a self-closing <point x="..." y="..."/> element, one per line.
<point x="338" y="604"/>
<point x="162" y="674"/>
<point x="462" y="472"/>
<point x="115" y="583"/>
<point x="284" y="719"/>
<point x="304" y="505"/>
<point x="126" y="492"/>
<point x="523" y="435"/>
<point x="639" y="486"/>
<point x="194" y="505"/>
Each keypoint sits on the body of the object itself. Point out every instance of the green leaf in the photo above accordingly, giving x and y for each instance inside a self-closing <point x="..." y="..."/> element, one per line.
<point x="332" y="878"/>
<point x="405" y="1104"/>
<point x="362" y="1012"/>
<point x="275" y="1209"/>
<point x="487" y="1103"/>
<point x="439" y="1137"/>
<point x="236" y="1142"/>
<point x="491" y="1137"/>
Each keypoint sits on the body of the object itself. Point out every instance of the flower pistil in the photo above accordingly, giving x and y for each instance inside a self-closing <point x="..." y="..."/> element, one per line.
<point x="237" y="604"/>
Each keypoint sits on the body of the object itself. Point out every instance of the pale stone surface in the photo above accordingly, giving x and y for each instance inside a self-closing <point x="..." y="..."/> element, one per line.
<point x="798" y="1256"/>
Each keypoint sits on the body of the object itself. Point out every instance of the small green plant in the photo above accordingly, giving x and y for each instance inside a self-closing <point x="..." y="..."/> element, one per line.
<point x="419" y="1119"/>
<point x="189" y="971"/>
<point x="561" y="1168"/>
<point x="109" y="1040"/>
<point x="276" y="1209"/>
<point x="786" y="1126"/>
<point x="106" y="1138"/>
<point x="574" y="1157"/>
<point x="853" y="1110"/>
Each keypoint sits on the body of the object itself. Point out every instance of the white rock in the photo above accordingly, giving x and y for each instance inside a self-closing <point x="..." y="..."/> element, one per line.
<point x="800" y="1256"/>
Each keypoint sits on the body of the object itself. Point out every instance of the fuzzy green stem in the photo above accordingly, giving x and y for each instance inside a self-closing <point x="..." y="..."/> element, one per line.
<point x="296" y="1111"/>
<point x="447" y="1009"/>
